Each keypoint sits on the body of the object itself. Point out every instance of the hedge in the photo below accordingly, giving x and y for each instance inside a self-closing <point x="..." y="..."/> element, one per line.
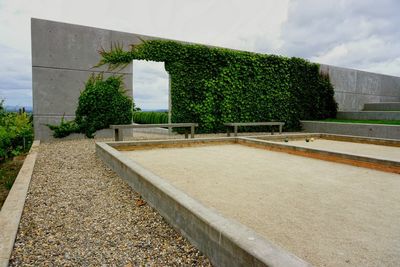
<point x="211" y="85"/>
<point x="150" y="117"/>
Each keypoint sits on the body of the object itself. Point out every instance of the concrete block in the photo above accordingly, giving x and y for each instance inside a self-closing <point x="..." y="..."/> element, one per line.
<point x="369" y="115"/>
<point x="355" y="129"/>
<point x="383" y="106"/>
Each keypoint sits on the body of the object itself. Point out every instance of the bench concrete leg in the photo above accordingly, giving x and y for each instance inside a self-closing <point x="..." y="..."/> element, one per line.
<point x="272" y="130"/>
<point x="118" y="136"/>
<point x="191" y="131"/>
<point x="235" y="130"/>
<point x="280" y="129"/>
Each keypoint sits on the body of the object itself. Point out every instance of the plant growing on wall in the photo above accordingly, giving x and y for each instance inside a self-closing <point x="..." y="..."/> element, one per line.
<point x="211" y="85"/>
<point x="101" y="103"/>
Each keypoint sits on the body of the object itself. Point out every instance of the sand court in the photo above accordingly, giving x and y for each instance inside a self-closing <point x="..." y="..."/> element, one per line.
<point x="369" y="150"/>
<point x="327" y="213"/>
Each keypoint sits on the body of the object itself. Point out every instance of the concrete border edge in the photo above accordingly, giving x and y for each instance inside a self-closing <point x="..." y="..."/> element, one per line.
<point x="225" y="242"/>
<point x="11" y="212"/>
<point x="355" y="129"/>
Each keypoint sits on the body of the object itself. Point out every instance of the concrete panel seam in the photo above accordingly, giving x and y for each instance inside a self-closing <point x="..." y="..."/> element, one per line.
<point x="344" y="92"/>
<point x="87" y="70"/>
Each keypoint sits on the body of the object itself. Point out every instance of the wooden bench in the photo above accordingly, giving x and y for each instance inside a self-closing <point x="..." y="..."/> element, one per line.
<point x="118" y="135"/>
<point x="235" y="126"/>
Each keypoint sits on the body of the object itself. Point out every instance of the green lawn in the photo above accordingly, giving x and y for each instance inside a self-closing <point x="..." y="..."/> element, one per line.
<point x="396" y="122"/>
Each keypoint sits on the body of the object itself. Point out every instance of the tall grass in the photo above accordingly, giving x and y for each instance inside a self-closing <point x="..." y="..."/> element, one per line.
<point x="149" y="117"/>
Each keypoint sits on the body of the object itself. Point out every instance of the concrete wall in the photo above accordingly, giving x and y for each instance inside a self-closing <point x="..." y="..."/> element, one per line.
<point x="354" y="88"/>
<point x="62" y="59"/>
<point x="63" y="56"/>
<point x="354" y="129"/>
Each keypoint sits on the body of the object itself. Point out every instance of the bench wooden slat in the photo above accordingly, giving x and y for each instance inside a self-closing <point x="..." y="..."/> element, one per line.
<point x="236" y="125"/>
<point x="254" y="123"/>
<point x="119" y="136"/>
<point x="176" y="125"/>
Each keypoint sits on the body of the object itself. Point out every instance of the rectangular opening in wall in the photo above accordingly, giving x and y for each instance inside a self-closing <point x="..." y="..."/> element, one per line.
<point x="150" y="86"/>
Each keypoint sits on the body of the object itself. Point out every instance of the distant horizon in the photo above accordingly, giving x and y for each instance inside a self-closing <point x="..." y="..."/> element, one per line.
<point x="13" y="108"/>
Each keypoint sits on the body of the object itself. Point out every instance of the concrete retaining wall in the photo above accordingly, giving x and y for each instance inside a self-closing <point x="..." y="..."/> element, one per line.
<point x="354" y="88"/>
<point x="369" y="115"/>
<point x="356" y="129"/>
<point x="388" y="106"/>
<point x="225" y="242"/>
<point x="11" y="212"/>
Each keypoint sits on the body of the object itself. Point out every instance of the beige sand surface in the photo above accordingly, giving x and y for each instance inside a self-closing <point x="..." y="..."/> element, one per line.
<point x="369" y="150"/>
<point x="327" y="213"/>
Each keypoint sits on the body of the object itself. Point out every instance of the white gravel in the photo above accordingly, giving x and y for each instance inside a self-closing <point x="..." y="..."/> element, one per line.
<point x="80" y="213"/>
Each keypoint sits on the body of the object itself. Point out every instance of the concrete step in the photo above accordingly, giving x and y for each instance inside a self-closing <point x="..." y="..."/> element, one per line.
<point x="368" y="115"/>
<point x="354" y="129"/>
<point x="382" y="106"/>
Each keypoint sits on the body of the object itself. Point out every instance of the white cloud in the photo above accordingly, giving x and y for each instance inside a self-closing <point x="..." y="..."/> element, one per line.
<point x="252" y="25"/>
<point x="349" y="33"/>
<point x="150" y="85"/>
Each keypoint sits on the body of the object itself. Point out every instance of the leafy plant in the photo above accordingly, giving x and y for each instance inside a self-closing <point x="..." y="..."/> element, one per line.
<point x="65" y="128"/>
<point x="101" y="103"/>
<point x="211" y="85"/>
<point x="16" y="133"/>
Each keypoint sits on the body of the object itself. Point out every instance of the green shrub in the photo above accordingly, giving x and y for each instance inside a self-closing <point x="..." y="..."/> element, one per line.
<point x="16" y="133"/>
<point x="64" y="129"/>
<point x="150" y="117"/>
<point x="211" y="85"/>
<point x="101" y="103"/>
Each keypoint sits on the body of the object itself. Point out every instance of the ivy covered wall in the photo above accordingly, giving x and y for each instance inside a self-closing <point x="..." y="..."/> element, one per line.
<point x="214" y="85"/>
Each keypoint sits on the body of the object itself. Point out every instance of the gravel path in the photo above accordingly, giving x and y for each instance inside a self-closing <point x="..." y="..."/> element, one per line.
<point x="79" y="213"/>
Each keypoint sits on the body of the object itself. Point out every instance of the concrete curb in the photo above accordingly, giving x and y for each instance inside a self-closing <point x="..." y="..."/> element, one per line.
<point x="225" y="242"/>
<point x="288" y="147"/>
<point x="11" y="212"/>
<point x="355" y="129"/>
<point x="368" y="115"/>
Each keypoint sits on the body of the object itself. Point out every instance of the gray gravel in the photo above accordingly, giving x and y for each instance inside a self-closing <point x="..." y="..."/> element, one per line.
<point x="79" y="213"/>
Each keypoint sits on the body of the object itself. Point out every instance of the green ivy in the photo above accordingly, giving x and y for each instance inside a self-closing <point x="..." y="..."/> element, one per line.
<point x="211" y="85"/>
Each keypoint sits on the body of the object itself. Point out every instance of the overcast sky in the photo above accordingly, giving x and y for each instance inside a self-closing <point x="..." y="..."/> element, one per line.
<point x="360" y="34"/>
